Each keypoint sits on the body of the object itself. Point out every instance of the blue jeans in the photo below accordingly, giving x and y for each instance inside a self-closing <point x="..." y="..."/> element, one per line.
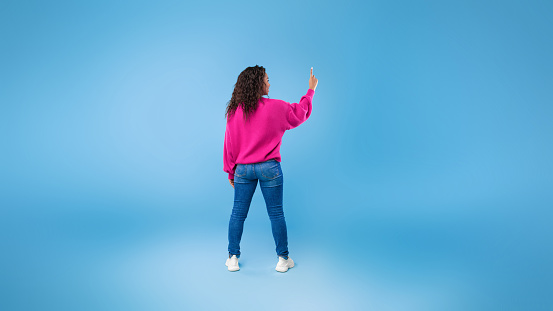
<point x="269" y="174"/>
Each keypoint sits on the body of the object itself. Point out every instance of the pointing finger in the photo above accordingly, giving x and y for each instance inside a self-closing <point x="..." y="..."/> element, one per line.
<point x="311" y="70"/>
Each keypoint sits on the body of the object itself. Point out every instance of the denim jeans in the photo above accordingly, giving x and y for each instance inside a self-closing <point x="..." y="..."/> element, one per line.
<point x="269" y="174"/>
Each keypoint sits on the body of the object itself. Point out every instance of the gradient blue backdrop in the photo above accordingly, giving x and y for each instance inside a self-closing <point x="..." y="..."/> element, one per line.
<point x="422" y="180"/>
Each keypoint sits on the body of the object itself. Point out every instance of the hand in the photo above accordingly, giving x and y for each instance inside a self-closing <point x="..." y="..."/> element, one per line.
<point x="313" y="81"/>
<point x="231" y="182"/>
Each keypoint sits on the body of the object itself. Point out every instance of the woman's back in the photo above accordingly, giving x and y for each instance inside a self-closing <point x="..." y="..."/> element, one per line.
<point x="258" y="139"/>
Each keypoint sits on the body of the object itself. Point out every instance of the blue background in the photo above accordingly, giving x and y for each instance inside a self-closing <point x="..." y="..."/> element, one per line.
<point x="421" y="181"/>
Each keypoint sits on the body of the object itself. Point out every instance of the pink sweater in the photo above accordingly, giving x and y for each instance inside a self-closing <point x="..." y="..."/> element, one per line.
<point x="259" y="139"/>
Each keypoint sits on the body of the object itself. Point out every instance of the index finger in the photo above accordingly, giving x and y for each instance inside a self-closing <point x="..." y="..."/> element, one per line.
<point x="311" y="70"/>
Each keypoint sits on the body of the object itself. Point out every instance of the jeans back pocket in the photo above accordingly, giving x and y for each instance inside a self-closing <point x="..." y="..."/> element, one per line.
<point x="241" y="170"/>
<point x="271" y="170"/>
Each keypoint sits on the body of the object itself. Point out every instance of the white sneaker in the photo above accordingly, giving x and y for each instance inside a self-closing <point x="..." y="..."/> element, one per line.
<point x="232" y="263"/>
<point x="284" y="264"/>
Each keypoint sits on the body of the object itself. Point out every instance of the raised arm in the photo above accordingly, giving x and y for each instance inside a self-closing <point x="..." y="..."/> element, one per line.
<point x="299" y="112"/>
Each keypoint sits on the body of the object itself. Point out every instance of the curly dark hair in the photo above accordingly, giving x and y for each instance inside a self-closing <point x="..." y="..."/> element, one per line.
<point x="247" y="91"/>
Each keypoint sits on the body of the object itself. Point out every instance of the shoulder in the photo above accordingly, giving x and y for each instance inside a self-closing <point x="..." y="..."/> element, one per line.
<point x="275" y="102"/>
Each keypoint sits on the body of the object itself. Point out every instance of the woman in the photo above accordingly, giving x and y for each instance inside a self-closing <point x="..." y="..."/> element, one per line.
<point x="254" y="130"/>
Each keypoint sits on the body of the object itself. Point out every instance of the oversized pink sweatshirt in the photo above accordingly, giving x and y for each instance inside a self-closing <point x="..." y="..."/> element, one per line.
<point x="259" y="139"/>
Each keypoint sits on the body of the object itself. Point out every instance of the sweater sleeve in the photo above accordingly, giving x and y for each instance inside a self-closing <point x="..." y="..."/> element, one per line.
<point x="228" y="159"/>
<point x="299" y="112"/>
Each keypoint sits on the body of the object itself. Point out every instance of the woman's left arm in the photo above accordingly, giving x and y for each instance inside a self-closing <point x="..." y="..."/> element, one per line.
<point x="228" y="159"/>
